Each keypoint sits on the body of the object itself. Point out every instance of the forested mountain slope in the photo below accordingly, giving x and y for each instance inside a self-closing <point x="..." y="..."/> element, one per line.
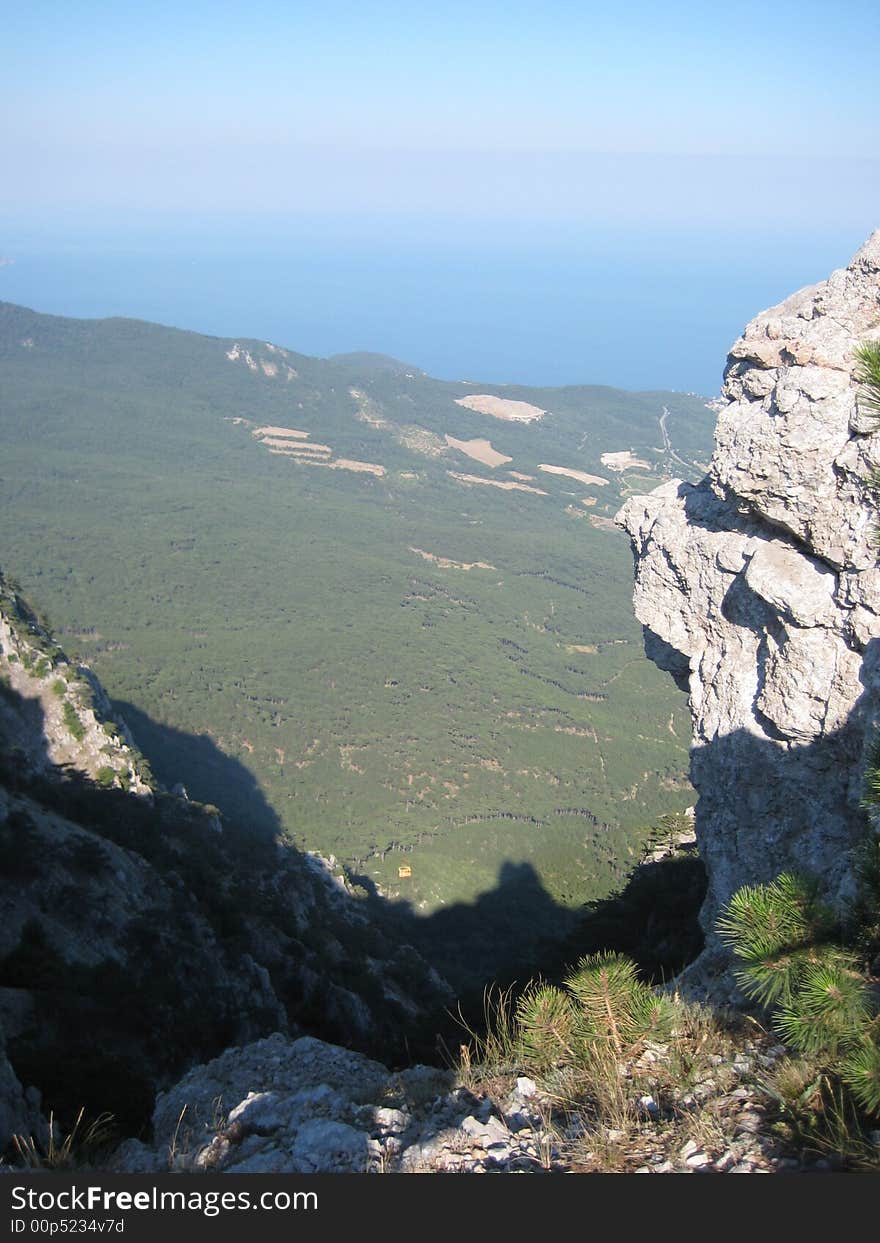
<point x="389" y="613"/>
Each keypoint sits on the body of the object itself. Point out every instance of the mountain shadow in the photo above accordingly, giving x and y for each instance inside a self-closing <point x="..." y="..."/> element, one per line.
<point x="140" y="933"/>
<point x="517" y="932"/>
<point x="653" y="919"/>
<point x="502" y="936"/>
<point x="508" y="934"/>
<point x="143" y="933"/>
<point x="212" y="776"/>
<point x="22" y="732"/>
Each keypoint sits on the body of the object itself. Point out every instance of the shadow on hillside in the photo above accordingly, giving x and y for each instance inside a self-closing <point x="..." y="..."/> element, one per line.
<point x="206" y="772"/>
<point x="108" y="1033"/>
<point x="512" y="932"/>
<point x="516" y="932"/>
<point x="508" y="934"/>
<point x="21" y="731"/>
<point x="505" y="934"/>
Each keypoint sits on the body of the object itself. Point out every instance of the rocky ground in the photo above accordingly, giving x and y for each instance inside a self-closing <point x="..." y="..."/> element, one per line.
<point x="302" y="1106"/>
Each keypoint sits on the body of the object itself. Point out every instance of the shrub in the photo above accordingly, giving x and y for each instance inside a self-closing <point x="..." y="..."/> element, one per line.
<point x="80" y="1145"/>
<point x="144" y="771"/>
<point x="72" y="721"/>
<point x="614" y="1005"/>
<point x="822" y="1005"/>
<point x="87" y="855"/>
<point x="867" y="374"/>
<point x="105" y="776"/>
<point x="59" y="688"/>
<point x="603" y="1006"/>
<point x="546" y="1023"/>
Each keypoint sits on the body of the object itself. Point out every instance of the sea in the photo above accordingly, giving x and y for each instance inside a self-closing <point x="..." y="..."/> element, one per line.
<point x="636" y="309"/>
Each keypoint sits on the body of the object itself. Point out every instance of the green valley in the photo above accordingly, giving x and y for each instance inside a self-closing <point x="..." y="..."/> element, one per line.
<point x="400" y="604"/>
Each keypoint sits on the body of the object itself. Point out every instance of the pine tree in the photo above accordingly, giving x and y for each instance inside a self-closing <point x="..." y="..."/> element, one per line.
<point x="867" y="374"/>
<point x="603" y="1007"/>
<point x="821" y="1001"/>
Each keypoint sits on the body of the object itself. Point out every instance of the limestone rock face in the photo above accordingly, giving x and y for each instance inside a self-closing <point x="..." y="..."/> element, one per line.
<point x="759" y="590"/>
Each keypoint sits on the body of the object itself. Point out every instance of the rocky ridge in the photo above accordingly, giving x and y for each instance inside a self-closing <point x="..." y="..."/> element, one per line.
<point x="54" y="713"/>
<point x="759" y="590"/>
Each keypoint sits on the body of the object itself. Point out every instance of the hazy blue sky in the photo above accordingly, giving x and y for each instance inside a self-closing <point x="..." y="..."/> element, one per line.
<point x="510" y="110"/>
<point x="507" y="190"/>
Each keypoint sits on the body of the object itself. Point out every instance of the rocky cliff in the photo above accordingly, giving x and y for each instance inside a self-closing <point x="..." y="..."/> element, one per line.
<point x="759" y="590"/>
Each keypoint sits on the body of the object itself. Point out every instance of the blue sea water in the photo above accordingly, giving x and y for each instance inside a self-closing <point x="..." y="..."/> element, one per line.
<point x="652" y="310"/>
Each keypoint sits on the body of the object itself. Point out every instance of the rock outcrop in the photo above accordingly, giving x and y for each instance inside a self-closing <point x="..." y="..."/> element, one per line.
<point x="759" y="590"/>
<point x="55" y="714"/>
<point x="282" y="1106"/>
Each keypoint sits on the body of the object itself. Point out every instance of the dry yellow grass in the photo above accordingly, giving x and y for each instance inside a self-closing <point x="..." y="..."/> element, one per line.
<point x="622" y="461"/>
<point x="580" y="475"/>
<point x="344" y="463"/>
<point x="295" y="446"/>
<point x="502" y="408"/>
<point x="480" y="451"/>
<point x="496" y="483"/>
<point x="446" y="563"/>
<point x="281" y="431"/>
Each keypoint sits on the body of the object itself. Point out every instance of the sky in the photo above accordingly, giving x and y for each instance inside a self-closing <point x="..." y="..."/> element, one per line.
<point x="698" y="134"/>
<point x="473" y="110"/>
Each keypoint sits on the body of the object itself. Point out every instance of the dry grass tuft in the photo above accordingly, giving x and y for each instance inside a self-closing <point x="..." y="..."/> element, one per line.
<point x="83" y="1143"/>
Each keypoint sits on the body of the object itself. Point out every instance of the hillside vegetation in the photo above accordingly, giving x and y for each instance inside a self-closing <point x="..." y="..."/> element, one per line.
<point x="304" y="590"/>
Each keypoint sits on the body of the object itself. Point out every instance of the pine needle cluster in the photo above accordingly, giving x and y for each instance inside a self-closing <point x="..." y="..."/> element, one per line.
<point x="867" y="374"/>
<point x="823" y="1004"/>
<point x="602" y="1007"/>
